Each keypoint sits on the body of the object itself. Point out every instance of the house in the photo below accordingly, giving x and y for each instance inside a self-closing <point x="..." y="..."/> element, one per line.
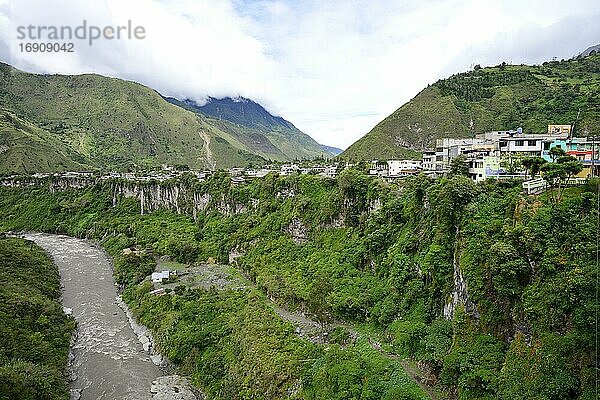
<point x="583" y="149"/>
<point x="379" y="168"/>
<point x="428" y="163"/>
<point x="395" y="168"/>
<point x="235" y="172"/>
<point x="159" y="277"/>
<point x="289" y="169"/>
<point x="253" y="173"/>
<point x="398" y="168"/>
<point x="482" y="167"/>
<point x="329" y="171"/>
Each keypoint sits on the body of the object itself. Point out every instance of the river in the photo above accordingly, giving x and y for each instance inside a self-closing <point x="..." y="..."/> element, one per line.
<point x="109" y="361"/>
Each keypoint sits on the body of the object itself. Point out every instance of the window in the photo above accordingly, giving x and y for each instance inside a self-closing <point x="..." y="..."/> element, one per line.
<point x="519" y="143"/>
<point x="546" y="145"/>
<point x="531" y="143"/>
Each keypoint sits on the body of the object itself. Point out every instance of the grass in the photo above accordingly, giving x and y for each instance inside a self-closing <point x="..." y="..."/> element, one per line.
<point x="171" y="265"/>
<point x="89" y="121"/>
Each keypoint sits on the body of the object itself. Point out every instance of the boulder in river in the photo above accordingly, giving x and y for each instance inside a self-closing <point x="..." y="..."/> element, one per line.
<point x="172" y="387"/>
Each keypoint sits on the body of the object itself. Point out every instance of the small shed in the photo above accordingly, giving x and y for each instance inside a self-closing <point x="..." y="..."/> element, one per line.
<point x="159" y="277"/>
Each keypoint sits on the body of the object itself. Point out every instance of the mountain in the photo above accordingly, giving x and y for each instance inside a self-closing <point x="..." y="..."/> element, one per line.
<point x="27" y="148"/>
<point x="590" y="51"/>
<point x="99" y="122"/>
<point x="493" y="98"/>
<point x="270" y="136"/>
<point x="84" y="122"/>
<point x="332" y="150"/>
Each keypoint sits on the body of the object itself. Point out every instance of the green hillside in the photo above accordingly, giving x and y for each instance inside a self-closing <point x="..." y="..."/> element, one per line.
<point x="270" y="136"/>
<point x="26" y="148"/>
<point x="60" y="122"/>
<point x="35" y="332"/>
<point x="495" y="98"/>
<point x="111" y="123"/>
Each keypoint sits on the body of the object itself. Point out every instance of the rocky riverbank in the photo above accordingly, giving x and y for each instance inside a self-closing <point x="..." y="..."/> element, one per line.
<point x="112" y="356"/>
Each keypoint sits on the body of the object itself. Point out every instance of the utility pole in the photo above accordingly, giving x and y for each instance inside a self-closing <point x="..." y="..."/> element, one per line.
<point x="593" y="155"/>
<point x="575" y="123"/>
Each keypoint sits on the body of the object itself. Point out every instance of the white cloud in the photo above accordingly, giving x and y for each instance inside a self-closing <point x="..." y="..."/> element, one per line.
<point x="334" y="69"/>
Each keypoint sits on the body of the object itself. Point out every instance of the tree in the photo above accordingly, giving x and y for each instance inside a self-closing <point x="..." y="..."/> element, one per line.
<point x="533" y="165"/>
<point x="317" y="301"/>
<point x="556" y="152"/>
<point x="459" y="166"/>
<point x="558" y="174"/>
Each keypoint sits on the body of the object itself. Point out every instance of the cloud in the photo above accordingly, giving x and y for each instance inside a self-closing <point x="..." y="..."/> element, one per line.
<point x="334" y="69"/>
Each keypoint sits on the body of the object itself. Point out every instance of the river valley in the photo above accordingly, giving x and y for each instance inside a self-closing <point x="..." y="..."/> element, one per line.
<point x="108" y="362"/>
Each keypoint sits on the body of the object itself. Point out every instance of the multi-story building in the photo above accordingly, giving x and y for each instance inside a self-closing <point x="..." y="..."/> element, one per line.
<point x="379" y="168"/>
<point x="395" y="168"/>
<point x="486" y="153"/>
<point x="428" y="160"/>
<point x="482" y="167"/>
<point x="399" y="168"/>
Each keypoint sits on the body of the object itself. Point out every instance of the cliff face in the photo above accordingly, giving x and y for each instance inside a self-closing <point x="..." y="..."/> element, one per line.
<point x="505" y="268"/>
<point x="189" y="197"/>
<point x="176" y="196"/>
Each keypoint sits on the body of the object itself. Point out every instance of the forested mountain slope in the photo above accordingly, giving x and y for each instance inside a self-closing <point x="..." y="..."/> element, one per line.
<point x="270" y="136"/>
<point x="494" y="98"/>
<point x="59" y="122"/>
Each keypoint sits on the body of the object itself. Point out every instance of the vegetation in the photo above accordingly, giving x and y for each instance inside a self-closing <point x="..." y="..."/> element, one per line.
<point x="34" y="332"/>
<point x="485" y="99"/>
<point x="375" y="255"/>
<point x="54" y="123"/>
<point x="533" y="165"/>
<point x="271" y="137"/>
<point x="559" y="173"/>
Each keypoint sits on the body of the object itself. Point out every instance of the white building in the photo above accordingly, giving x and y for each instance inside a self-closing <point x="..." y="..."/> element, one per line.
<point x="379" y="168"/>
<point x="428" y="160"/>
<point x="329" y="171"/>
<point x="261" y="173"/>
<point x="399" y="168"/>
<point x="289" y="169"/>
<point x="159" y="277"/>
<point x="486" y="152"/>
<point x="395" y="168"/>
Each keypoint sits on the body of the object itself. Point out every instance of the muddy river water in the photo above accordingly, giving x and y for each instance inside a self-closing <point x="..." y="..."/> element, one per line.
<point x="109" y="361"/>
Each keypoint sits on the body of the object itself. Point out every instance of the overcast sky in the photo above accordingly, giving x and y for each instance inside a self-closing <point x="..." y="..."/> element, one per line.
<point x="333" y="68"/>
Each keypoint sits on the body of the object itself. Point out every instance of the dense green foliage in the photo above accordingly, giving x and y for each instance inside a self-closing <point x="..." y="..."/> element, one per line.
<point x="34" y="332"/>
<point x="485" y="99"/>
<point x="360" y="250"/>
